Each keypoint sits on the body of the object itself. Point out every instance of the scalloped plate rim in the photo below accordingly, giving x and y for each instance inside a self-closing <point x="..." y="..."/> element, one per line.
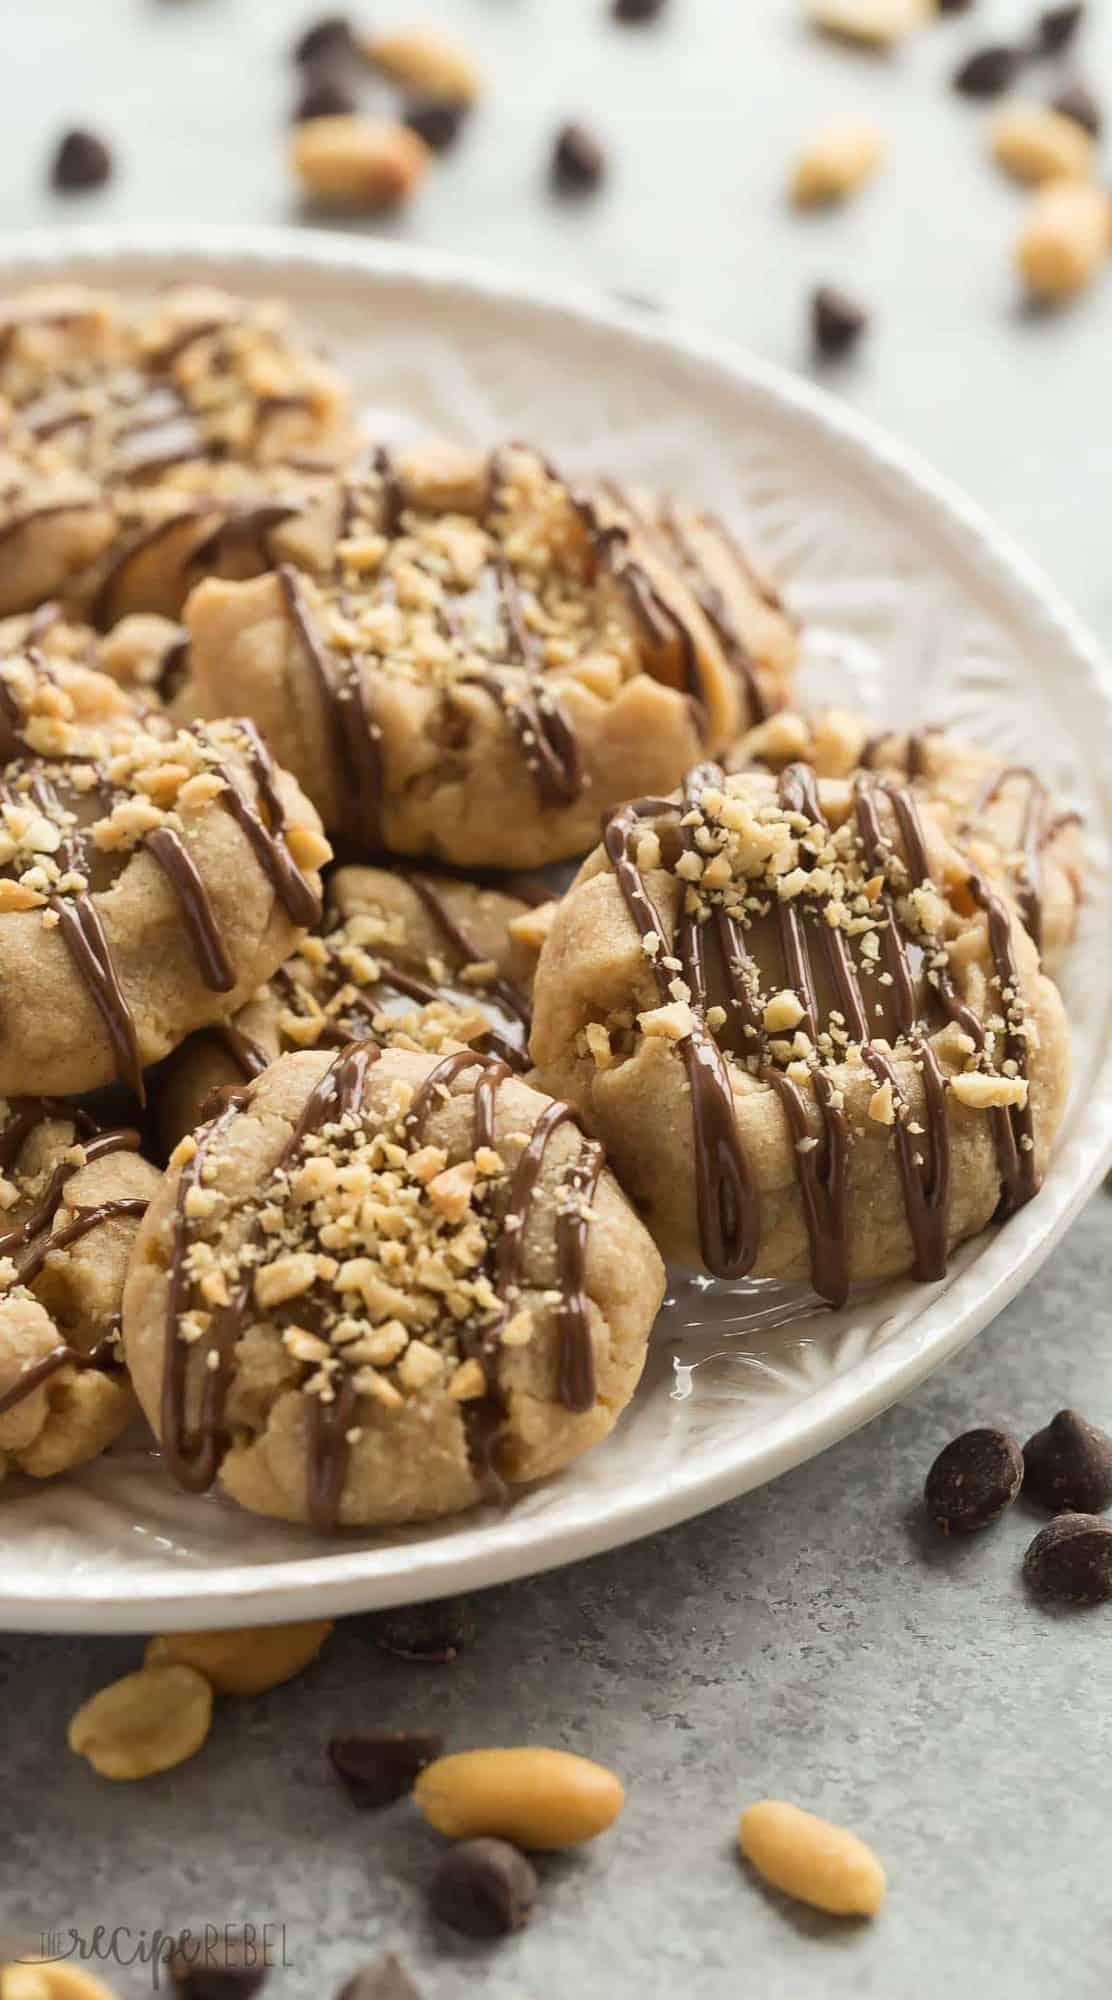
<point x="362" y="1579"/>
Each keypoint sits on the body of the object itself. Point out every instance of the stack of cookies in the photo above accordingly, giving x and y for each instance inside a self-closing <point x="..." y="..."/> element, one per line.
<point x="329" y="1132"/>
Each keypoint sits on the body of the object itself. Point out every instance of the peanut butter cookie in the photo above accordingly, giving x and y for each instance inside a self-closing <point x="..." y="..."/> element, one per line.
<point x="149" y="878"/>
<point x="465" y="657"/>
<point x="136" y="436"/>
<point x="996" y="811"/>
<point x="377" y="1285"/>
<point x="71" y="1195"/>
<point x="814" y="1039"/>
<point x="405" y="960"/>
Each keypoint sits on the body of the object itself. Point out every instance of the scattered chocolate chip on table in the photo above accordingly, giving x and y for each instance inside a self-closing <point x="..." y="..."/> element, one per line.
<point x="973" y="1479"/>
<point x="1068" y="1466"/>
<point x="81" y="160"/>
<point x="379" y="1766"/>
<point x="484" y="1888"/>
<point x="1070" y="1560"/>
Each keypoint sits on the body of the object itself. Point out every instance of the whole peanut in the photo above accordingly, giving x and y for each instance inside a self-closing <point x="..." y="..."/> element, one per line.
<point x="422" y="60"/>
<point x="835" y="163"/>
<point x="535" y="1798"/>
<point x="812" y="1860"/>
<point x="242" y="1661"/>
<point x="145" y="1723"/>
<point x="1033" y="143"/>
<point x="50" y="1981"/>
<point x="1064" y="240"/>
<point x="355" y="162"/>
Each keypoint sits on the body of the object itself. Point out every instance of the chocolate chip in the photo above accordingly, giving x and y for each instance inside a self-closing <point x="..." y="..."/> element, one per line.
<point x="578" y="160"/>
<point x="954" y="6"/>
<point x="432" y="1633"/>
<point x="1069" y="1465"/>
<point x="382" y="1765"/>
<point x="81" y="160"/>
<point x="837" y="321"/>
<point x="386" y="1979"/>
<point x="973" y="1479"/>
<point x="484" y="1888"/>
<point x="226" y="1965"/>
<point x="989" y="71"/>
<point x="1071" y="1560"/>
<point x="637" y="10"/>
<point x="1077" y="101"/>
<point x="436" y="120"/>
<point x="1057" y="26"/>
<point x="328" y="40"/>
<point x="324" y="96"/>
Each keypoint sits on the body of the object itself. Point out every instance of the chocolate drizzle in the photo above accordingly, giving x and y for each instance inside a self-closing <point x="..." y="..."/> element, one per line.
<point x="31" y="1242"/>
<point x="728" y="1208"/>
<point x="354" y="736"/>
<point x="361" y="1016"/>
<point x="1038" y="828"/>
<point x="194" y="1448"/>
<point x="79" y="919"/>
<point x="726" y="1196"/>
<point x="104" y="1356"/>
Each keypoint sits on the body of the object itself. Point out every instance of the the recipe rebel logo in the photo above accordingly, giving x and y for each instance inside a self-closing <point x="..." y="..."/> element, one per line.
<point x="246" y="1947"/>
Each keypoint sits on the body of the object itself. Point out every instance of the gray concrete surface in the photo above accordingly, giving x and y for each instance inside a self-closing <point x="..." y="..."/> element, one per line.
<point x="809" y="1640"/>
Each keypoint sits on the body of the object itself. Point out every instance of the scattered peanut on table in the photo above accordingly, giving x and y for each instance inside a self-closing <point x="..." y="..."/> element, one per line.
<point x="145" y="1723"/>
<point x="1064" y="240"/>
<point x="353" y="162"/>
<point x="51" y="1980"/>
<point x="422" y="59"/>
<point x="245" y="1661"/>
<point x="1034" y="143"/>
<point x="536" y="1798"/>
<point x="876" y="22"/>
<point x="835" y="163"/>
<point x="812" y="1860"/>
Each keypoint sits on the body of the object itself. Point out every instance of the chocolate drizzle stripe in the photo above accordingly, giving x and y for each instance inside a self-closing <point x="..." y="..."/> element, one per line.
<point x="295" y="892"/>
<point x="177" y="864"/>
<point x="105" y="1355"/>
<point x="1012" y="1124"/>
<point x="84" y="1220"/>
<point x="353" y="735"/>
<point x="715" y="609"/>
<point x="727" y="1202"/>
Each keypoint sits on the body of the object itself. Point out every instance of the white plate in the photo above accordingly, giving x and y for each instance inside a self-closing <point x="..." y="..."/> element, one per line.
<point x="914" y="606"/>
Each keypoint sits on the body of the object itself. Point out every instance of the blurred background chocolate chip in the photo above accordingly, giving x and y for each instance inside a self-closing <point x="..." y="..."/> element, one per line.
<point x="484" y="1888"/>
<point x="329" y="39"/>
<point x="224" y="1966"/>
<point x="1057" y="26"/>
<point x="1069" y="1465"/>
<point x="637" y="10"/>
<point x="973" y="1479"/>
<point x="988" y="72"/>
<point x="436" y="120"/>
<point x="81" y="160"/>
<point x="837" y="321"/>
<point x="431" y="1633"/>
<point x="381" y="1765"/>
<point x="1070" y="1560"/>
<point x="324" y="95"/>
<point x="578" y="161"/>
<point x="386" y="1979"/>
<point x="1078" y="102"/>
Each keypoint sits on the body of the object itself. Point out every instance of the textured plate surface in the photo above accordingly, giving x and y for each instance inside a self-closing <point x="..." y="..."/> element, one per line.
<point x="914" y="607"/>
